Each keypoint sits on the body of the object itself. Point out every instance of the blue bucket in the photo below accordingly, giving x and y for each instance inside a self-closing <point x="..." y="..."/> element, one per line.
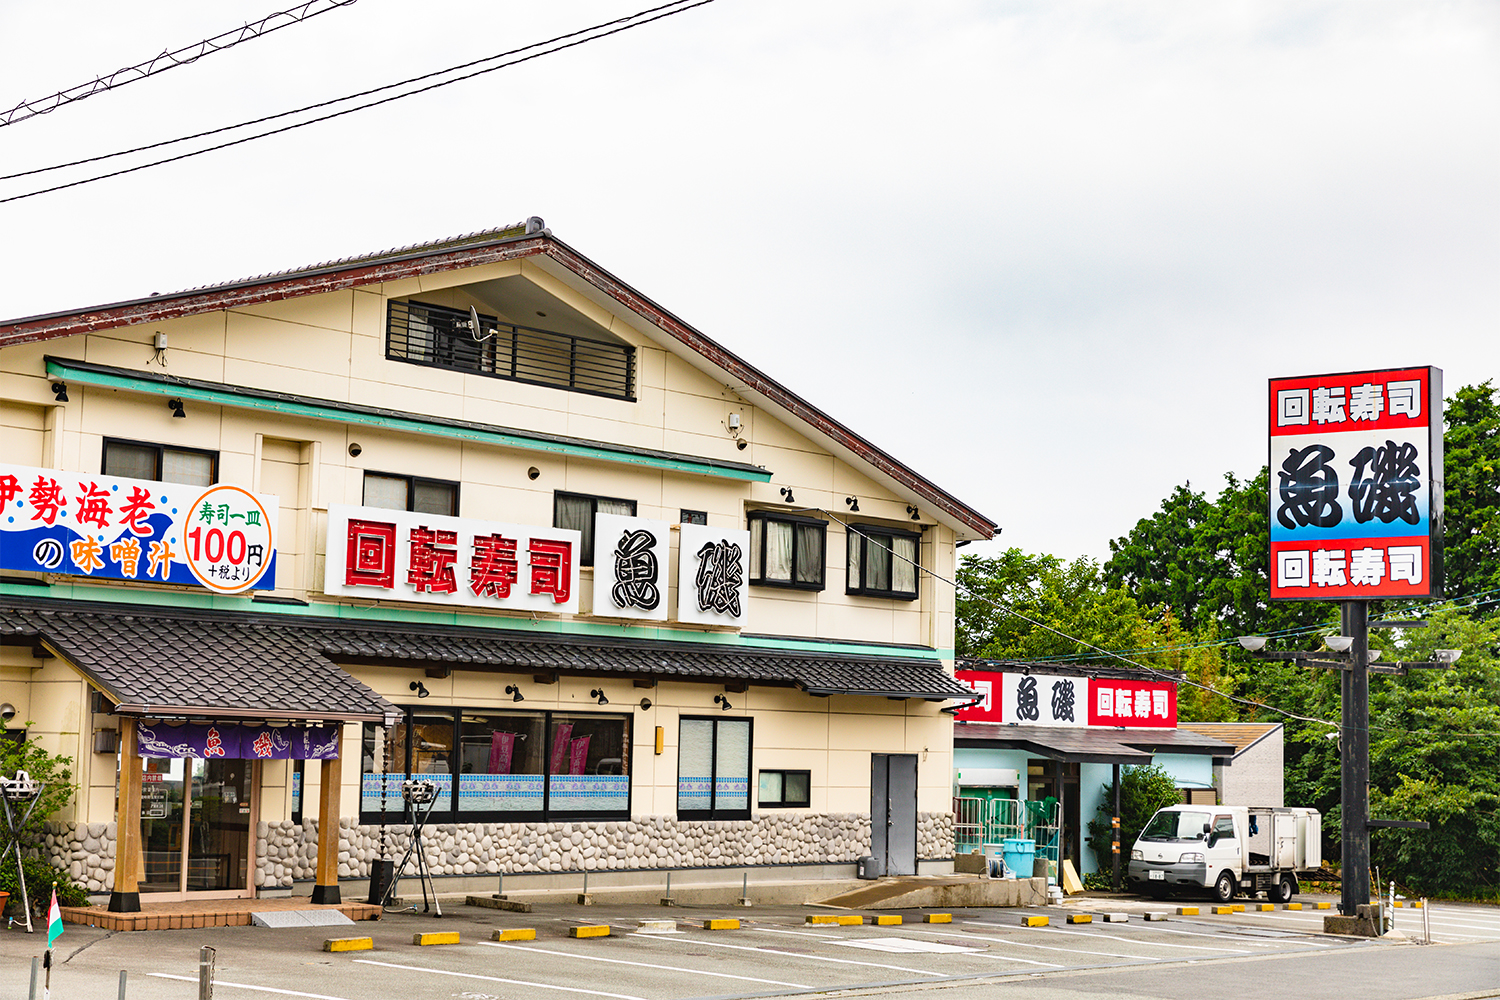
<point x="1018" y="854"/>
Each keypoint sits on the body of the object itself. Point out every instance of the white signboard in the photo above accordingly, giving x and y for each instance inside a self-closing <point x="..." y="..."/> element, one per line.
<point x="712" y="575"/>
<point x="1044" y="699"/>
<point x="458" y="561"/>
<point x="631" y="556"/>
<point x="108" y="527"/>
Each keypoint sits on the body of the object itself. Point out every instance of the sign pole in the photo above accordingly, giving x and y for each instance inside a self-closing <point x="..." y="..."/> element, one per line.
<point x="1354" y="746"/>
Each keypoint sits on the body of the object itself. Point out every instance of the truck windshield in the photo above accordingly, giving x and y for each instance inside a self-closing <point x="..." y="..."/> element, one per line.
<point x="1175" y="826"/>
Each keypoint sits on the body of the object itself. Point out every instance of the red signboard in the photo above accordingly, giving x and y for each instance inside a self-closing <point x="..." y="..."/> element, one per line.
<point x="1093" y="702"/>
<point x="1356" y="496"/>
<point x="1134" y="704"/>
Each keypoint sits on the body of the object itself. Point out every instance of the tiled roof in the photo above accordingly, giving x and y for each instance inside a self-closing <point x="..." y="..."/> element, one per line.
<point x="1240" y="734"/>
<point x="502" y="650"/>
<point x="163" y="665"/>
<point x="275" y="663"/>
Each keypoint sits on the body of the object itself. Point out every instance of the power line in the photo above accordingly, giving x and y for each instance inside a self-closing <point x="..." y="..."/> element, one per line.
<point x="170" y="60"/>
<point x="593" y="33"/>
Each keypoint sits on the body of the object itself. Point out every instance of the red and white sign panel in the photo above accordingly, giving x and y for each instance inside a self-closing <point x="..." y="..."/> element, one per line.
<point x="1133" y="704"/>
<point x="434" y="559"/>
<point x="986" y="684"/>
<point x="1054" y="700"/>
<point x="1356" y="497"/>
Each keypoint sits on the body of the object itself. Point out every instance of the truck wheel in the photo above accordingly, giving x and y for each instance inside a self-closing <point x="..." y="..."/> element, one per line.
<point x="1283" y="890"/>
<point x="1225" y="886"/>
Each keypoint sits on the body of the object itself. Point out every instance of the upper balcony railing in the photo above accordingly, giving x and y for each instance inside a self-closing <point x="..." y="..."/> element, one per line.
<point x="426" y="334"/>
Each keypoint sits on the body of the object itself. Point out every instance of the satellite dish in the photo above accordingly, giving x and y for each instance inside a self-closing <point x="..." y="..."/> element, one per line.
<point x="474" y="325"/>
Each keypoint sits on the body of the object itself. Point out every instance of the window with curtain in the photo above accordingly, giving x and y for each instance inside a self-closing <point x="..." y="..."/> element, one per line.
<point x="786" y="550"/>
<point x="503" y="765"/>
<point x="785" y="789"/>
<point x="425" y="496"/>
<point x="139" y="460"/>
<point x="713" y="768"/>
<point x="577" y="510"/>
<point x="883" y="562"/>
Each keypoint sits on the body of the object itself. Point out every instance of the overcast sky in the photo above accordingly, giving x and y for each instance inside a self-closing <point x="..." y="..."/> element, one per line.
<point x="1046" y="253"/>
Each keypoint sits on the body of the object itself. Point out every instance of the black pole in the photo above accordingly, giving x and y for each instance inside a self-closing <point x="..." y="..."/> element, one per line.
<point x="1354" y="743"/>
<point x="1116" y="832"/>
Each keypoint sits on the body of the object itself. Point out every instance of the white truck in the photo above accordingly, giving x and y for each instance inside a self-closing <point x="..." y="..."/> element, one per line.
<point x="1229" y="850"/>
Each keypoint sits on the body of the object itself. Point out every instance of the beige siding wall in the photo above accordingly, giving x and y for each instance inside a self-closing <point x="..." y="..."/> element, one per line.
<point x="332" y="346"/>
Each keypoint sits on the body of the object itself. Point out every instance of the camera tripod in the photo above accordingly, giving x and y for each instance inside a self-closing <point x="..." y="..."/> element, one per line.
<point x="418" y="794"/>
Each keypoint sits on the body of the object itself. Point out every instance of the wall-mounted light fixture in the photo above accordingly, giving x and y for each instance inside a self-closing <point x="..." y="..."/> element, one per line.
<point x="514" y="691"/>
<point x="1253" y="643"/>
<point x="60" y="390"/>
<point x="354" y="449"/>
<point x="598" y="693"/>
<point x="420" y="688"/>
<point x="853" y="503"/>
<point x="175" y="405"/>
<point x="786" y="494"/>
<point x="915" y="516"/>
<point x="533" y="473"/>
<point x="645" y="704"/>
<point x="722" y="702"/>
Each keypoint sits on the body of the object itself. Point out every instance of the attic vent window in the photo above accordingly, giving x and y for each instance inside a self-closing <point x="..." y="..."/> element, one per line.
<point x="423" y="334"/>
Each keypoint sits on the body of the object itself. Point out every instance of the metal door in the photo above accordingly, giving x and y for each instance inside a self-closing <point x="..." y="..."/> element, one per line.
<point x="893" y="812"/>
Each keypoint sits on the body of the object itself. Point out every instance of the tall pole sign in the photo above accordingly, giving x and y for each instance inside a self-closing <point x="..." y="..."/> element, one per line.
<point x="1356" y="503"/>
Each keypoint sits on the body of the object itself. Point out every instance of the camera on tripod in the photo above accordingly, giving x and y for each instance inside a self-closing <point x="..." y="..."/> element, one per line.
<point x="418" y="793"/>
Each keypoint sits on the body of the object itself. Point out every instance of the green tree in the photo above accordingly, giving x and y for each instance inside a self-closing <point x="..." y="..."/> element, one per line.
<point x="1143" y="790"/>
<point x="1471" y="493"/>
<point x="55" y="771"/>
<point x="1210" y="561"/>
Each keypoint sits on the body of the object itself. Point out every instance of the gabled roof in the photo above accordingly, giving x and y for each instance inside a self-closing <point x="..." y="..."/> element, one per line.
<point x="542" y="248"/>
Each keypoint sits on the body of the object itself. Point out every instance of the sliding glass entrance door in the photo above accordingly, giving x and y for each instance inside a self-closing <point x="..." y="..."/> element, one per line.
<point x="196" y="817"/>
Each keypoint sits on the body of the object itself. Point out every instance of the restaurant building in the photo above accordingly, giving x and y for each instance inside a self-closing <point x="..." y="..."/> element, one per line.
<point x="476" y="512"/>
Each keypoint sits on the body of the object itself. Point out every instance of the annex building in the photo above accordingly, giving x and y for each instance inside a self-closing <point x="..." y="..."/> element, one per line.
<point x="476" y="512"/>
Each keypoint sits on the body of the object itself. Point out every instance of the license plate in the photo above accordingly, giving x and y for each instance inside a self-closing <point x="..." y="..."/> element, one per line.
<point x="1156" y="876"/>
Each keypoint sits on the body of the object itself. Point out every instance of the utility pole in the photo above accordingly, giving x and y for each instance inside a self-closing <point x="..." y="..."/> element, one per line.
<point x="1354" y="758"/>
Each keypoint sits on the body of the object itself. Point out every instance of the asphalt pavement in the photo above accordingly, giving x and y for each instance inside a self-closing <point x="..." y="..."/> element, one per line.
<point x="656" y="953"/>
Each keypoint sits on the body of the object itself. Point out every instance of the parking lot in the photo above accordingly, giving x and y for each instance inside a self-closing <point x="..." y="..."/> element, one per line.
<point x="773" y="951"/>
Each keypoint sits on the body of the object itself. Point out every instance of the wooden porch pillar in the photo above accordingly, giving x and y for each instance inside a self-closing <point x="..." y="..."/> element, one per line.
<point x="326" y="889"/>
<point x="129" y="863"/>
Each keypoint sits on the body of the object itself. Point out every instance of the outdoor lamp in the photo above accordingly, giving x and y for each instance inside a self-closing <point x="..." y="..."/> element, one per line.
<point x="60" y="390"/>
<point x="1338" y="643"/>
<point x="722" y="702"/>
<point x="175" y="405"/>
<point x="420" y="688"/>
<point x="1447" y="655"/>
<point x="1253" y="643"/>
<point x="512" y="689"/>
<point x="599" y="693"/>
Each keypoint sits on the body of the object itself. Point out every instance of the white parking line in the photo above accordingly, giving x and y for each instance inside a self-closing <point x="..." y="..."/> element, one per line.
<point x="1114" y="937"/>
<point x="643" y="965"/>
<point x="494" y="979"/>
<point x="787" y="954"/>
<point x="806" y="934"/>
<point x="1070" y="951"/>
<point x="246" y="986"/>
<point x="985" y="954"/>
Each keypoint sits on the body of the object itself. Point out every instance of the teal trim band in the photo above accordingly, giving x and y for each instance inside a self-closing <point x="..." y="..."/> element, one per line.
<point x="221" y="397"/>
<point x="416" y="616"/>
